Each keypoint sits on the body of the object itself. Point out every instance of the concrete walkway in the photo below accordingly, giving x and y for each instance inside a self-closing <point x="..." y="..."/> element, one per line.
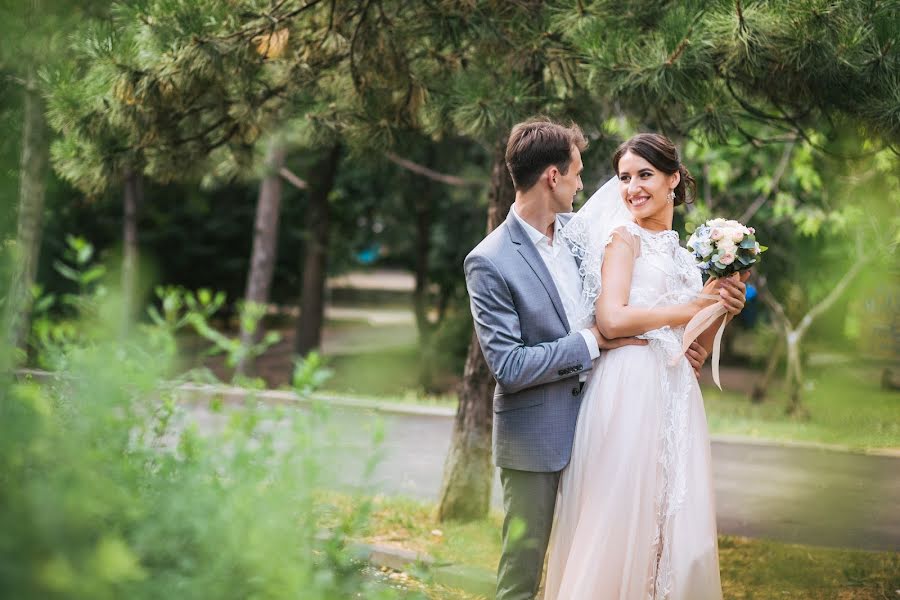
<point x="793" y="494"/>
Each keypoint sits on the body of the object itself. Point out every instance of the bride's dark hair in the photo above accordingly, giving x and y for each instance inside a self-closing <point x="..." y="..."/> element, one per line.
<point x="659" y="151"/>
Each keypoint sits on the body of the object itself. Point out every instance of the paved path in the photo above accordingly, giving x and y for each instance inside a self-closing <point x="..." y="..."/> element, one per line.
<point x="797" y="495"/>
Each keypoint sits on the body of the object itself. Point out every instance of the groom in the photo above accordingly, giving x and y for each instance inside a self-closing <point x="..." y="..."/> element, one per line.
<point x="524" y="287"/>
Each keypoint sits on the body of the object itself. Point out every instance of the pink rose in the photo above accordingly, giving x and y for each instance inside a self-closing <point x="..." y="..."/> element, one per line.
<point x="716" y="234"/>
<point x="727" y="258"/>
<point x="751" y="230"/>
<point x="737" y="235"/>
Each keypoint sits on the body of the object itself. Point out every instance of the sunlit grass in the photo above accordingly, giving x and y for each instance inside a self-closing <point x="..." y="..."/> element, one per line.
<point x="846" y="407"/>
<point x="750" y="569"/>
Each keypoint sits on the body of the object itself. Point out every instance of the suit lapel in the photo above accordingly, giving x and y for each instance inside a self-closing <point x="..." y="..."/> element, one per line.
<point x="526" y="248"/>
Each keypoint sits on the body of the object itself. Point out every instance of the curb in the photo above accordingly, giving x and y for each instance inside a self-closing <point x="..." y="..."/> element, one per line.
<point x="236" y="395"/>
<point x="723" y="438"/>
<point x="471" y="579"/>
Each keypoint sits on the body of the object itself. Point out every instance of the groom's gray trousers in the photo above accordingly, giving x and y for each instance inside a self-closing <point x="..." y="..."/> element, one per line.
<point x="525" y="338"/>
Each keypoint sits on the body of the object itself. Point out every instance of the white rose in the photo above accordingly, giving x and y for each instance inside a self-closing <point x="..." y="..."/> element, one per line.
<point x="726" y="245"/>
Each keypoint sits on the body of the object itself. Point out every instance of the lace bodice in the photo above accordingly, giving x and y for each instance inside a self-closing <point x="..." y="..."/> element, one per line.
<point x="664" y="272"/>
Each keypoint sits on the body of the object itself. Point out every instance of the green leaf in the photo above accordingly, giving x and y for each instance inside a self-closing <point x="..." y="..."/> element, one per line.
<point x="93" y="274"/>
<point x="66" y="271"/>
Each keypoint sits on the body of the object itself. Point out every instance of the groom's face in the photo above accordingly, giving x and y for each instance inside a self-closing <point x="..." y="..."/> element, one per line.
<point x="567" y="186"/>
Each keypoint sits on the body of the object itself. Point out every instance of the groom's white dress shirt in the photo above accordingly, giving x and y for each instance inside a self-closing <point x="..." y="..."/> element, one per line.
<point x="564" y="272"/>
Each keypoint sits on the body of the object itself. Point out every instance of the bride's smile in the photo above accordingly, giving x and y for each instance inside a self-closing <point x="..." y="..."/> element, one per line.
<point x="646" y="191"/>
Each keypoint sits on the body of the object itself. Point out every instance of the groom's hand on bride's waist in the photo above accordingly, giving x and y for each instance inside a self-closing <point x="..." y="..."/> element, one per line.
<point x="611" y="343"/>
<point x="696" y="355"/>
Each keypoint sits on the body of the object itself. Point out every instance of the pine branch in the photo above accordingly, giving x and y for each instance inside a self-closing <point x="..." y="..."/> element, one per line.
<point x="354" y="71"/>
<point x="742" y="24"/>
<point x="330" y="26"/>
<point x="21" y="82"/>
<point x="202" y="134"/>
<point x="776" y="179"/>
<point x="749" y="107"/>
<point x="432" y="174"/>
<point x="248" y="32"/>
<point x="685" y="41"/>
<point x="292" y="178"/>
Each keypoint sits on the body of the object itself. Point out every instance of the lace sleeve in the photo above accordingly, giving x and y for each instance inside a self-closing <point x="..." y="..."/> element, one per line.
<point x="627" y="234"/>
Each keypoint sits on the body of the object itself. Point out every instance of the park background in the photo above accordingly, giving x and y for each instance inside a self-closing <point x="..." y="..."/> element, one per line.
<point x="279" y="194"/>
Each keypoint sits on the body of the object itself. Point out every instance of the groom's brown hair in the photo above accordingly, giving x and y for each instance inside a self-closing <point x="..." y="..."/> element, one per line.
<point x="538" y="143"/>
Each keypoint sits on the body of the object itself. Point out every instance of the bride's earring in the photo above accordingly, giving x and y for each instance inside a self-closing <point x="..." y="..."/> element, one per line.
<point x="671" y="196"/>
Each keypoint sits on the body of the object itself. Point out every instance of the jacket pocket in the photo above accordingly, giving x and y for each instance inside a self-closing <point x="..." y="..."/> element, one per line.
<point x="506" y="402"/>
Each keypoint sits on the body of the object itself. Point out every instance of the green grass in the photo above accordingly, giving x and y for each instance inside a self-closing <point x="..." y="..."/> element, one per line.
<point x="750" y="569"/>
<point x="846" y="406"/>
<point x="845" y="403"/>
<point x="390" y="372"/>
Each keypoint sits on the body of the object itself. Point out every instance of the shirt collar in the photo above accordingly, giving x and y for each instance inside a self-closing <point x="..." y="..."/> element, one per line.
<point x="534" y="235"/>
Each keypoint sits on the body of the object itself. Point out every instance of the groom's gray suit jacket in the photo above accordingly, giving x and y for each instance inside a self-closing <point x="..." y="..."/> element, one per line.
<point x="524" y="335"/>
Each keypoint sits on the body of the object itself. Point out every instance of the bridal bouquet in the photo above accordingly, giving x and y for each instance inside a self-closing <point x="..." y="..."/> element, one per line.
<point x="722" y="247"/>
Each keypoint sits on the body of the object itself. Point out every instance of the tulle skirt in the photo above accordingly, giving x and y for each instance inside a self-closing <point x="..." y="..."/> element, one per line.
<point x="635" y="514"/>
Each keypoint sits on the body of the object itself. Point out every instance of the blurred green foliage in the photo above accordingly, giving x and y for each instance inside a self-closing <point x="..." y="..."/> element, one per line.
<point x="110" y="487"/>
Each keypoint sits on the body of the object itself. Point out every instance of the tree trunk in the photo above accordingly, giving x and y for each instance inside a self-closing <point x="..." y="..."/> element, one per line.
<point x="794" y="376"/>
<point x="761" y="388"/>
<point x="132" y="200"/>
<point x="312" y="298"/>
<point x="794" y="335"/>
<point x="468" y="472"/>
<point x="33" y="164"/>
<point x="422" y="208"/>
<point x="265" y="247"/>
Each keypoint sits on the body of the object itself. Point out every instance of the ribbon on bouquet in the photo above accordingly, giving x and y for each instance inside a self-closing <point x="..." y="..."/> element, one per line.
<point x="702" y="321"/>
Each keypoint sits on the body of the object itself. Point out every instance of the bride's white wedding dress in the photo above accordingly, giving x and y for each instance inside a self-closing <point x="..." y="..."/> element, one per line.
<point x="635" y="515"/>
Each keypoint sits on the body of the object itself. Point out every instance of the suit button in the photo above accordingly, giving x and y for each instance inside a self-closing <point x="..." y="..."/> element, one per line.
<point x="574" y="391"/>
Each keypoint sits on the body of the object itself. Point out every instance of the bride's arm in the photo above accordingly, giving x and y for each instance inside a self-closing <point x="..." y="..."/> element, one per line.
<point x="615" y="318"/>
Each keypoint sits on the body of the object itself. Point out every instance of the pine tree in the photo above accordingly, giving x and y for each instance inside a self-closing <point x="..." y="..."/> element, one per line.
<point x="695" y="67"/>
<point x="34" y="41"/>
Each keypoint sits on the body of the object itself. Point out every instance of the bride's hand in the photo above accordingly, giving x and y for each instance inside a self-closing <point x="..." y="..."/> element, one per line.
<point x="732" y="292"/>
<point x="710" y="289"/>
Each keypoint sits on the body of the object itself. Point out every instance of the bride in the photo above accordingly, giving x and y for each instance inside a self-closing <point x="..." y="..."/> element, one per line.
<point x="635" y="514"/>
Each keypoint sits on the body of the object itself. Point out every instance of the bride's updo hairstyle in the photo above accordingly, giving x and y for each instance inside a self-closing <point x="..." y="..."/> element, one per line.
<point x="659" y="151"/>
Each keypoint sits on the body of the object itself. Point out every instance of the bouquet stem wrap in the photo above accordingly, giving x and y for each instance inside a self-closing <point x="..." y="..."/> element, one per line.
<point x="700" y="323"/>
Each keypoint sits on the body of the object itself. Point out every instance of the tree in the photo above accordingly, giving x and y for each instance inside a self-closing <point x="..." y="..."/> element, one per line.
<point x="478" y="102"/>
<point x="869" y="236"/>
<point x="170" y="95"/>
<point x="312" y="300"/>
<point x="699" y="67"/>
<point x="265" y="243"/>
<point x="34" y="34"/>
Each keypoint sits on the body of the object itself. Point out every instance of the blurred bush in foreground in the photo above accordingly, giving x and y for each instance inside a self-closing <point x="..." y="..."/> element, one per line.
<point x="108" y="489"/>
